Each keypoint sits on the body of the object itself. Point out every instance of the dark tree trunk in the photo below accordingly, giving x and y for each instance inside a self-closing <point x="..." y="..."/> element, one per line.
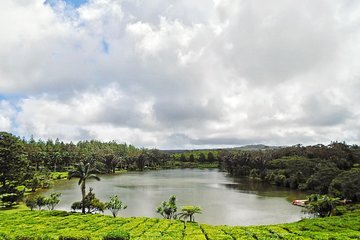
<point x="83" y="197"/>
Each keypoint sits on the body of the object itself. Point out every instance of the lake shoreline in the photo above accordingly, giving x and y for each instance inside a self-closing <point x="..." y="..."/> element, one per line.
<point x="192" y="187"/>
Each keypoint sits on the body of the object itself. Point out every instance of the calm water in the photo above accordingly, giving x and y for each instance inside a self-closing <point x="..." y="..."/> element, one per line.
<point x="225" y="200"/>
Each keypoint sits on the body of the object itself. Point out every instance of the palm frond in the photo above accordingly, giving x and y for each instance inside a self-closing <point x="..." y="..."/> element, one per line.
<point x="93" y="176"/>
<point x="74" y="174"/>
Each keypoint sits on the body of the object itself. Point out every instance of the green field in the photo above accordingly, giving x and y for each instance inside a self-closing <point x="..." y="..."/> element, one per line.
<point x="25" y="224"/>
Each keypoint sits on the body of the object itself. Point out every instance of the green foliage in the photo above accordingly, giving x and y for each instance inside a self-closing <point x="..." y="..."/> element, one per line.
<point x="168" y="209"/>
<point x="37" y="163"/>
<point x="52" y="224"/>
<point x="30" y="237"/>
<point x="117" y="235"/>
<point x="201" y="156"/>
<point x="84" y="171"/>
<point x="3" y="236"/>
<point x="40" y="201"/>
<point x="319" y="168"/>
<point x="74" y="236"/>
<point x="322" y="178"/>
<point x="90" y="203"/>
<point x="189" y="212"/>
<point x="76" y="206"/>
<point x="115" y="205"/>
<point x="347" y="185"/>
<point x="30" y="202"/>
<point x="53" y="200"/>
<point x="322" y="205"/>
<point x="13" y="162"/>
<point x="9" y="199"/>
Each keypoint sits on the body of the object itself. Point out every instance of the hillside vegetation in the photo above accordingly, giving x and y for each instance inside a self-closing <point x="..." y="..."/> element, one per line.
<point x="332" y="169"/>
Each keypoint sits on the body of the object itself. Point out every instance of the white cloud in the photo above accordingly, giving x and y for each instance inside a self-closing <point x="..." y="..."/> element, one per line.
<point x="6" y="114"/>
<point x="182" y="74"/>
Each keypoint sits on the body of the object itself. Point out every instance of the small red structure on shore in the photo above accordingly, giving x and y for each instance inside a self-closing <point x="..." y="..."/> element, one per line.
<point x="301" y="203"/>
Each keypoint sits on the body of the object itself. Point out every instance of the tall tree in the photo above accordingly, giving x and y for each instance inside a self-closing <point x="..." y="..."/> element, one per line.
<point x="202" y="158"/>
<point x="210" y="157"/>
<point x="84" y="172"/>
<point x="13" y="160"/>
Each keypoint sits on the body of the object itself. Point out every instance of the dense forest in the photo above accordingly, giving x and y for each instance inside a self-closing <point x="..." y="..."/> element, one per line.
<point x="26" y="162"/>
<point x="332" y="169"/>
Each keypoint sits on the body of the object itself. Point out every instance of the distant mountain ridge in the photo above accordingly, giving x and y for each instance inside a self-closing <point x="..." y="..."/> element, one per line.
<point x="250" y="147"/>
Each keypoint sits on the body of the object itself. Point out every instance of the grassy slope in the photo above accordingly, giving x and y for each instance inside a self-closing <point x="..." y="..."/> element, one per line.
<point x="56" y="223"/>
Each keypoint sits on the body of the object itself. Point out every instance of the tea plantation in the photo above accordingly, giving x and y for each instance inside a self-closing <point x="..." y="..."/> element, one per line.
<point x="27" y="224"/>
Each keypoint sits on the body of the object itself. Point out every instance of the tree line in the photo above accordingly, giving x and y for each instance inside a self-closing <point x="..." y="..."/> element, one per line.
<point x="90" y="204"/>
<point x="28" y="164"/>
<point x="325" y="169"/>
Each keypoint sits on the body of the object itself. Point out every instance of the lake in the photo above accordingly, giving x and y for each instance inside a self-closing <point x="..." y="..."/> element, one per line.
<point x="224" y="199"/>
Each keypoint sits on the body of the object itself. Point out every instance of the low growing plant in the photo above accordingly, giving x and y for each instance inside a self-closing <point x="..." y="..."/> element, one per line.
<point x="189" y="212"/>
<point x="74" y="237"/>
<point x="53" y="200"/>
<point x="40" y="201"/>
<point x="117" y="235"/>
<point x="30" y="202"/>
<point x="115" y="205"/>
<point x="168" y="209"/>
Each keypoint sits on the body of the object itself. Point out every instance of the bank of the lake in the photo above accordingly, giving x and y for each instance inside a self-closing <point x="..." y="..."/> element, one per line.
<point x="225" y="200"/>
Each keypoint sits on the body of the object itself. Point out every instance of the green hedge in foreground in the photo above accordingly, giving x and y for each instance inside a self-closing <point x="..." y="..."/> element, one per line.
<point x="59" y="225"/>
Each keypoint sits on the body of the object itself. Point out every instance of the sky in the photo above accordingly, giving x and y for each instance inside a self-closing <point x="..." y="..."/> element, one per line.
<point x="181" y="74"/>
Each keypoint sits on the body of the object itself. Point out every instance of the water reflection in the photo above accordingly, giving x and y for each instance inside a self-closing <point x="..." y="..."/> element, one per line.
<point x="225" y="200"/>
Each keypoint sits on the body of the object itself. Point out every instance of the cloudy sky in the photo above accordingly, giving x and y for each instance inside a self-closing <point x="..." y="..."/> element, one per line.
<point x="181" y="73"/>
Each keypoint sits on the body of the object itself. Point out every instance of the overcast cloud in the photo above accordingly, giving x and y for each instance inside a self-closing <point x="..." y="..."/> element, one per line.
<point x="181" y="74"/>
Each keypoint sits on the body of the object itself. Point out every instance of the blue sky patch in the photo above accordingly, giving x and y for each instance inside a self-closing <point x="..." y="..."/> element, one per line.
<point x="74" y="3"/>
<point x="104" y="46"/>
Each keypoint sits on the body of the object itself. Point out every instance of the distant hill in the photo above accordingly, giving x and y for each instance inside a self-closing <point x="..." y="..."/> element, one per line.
<point x="251" y="147"/>
<point x="257" y="147"/>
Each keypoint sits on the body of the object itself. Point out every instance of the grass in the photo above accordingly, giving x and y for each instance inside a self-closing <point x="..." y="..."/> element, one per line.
<point x="16" y="224"/>
<point x="58" y="175"/>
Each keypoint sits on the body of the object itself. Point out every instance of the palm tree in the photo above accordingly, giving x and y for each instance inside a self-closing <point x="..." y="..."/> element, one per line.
<point x="83" y="171"/>
<point x="189" y="211"/>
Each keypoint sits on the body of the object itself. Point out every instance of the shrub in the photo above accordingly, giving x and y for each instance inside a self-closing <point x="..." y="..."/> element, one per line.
<point x="53" y="200"/>
<point x="40" y="201"/>
<point x="189" y="212"/>
<point x="117" y="235"/>
<point x="168" y="209"/>
<point x="30" y="202"/>
<point x="322" y="205"/>
<point x="3" y="236"/>
<point x="76" y="206"/>
<point x="115" y="205"/>
<point x="9" y="199"/>
<point x="31" y="237"/>
<point x="74" y="236"/>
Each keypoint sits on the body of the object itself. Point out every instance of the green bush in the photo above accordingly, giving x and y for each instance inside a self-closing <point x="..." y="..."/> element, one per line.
<point x="117" y="235"/>
<point x="74" y="236"/>
<point x="30" y="237"/>
<point x="3" y="236"/>
<point x="30" y="202"/>
<point x="9" y="199"/>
